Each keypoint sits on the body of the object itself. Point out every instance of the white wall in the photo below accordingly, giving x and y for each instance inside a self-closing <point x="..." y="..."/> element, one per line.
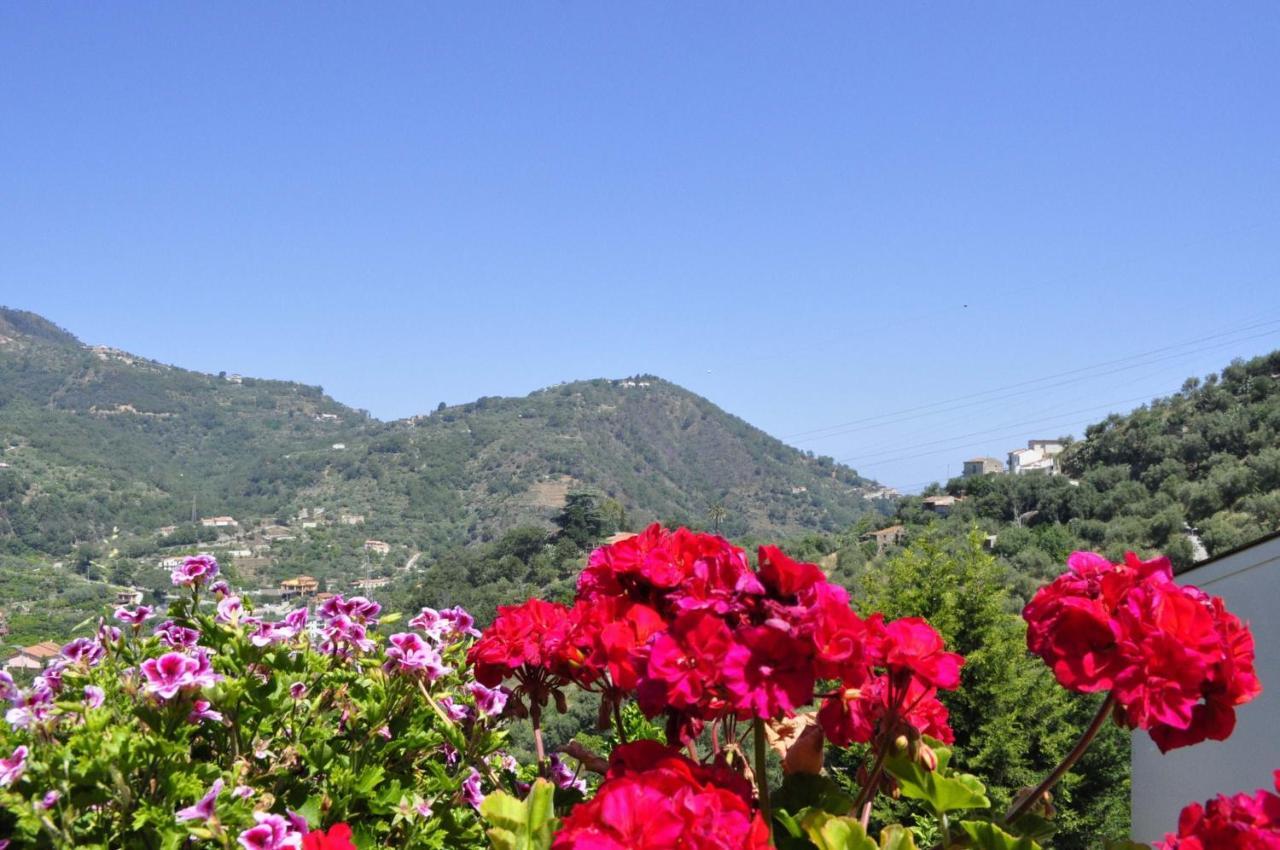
<point x="1249" y="581"/>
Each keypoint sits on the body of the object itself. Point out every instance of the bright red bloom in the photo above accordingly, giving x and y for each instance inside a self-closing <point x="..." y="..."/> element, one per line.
<point x="534" y="634"/>
<point x="686" y="666"/>
<point x="653" y="799"/>
<point x="785" y="577"/>
<point x="1240" y="822"/>
<point x="338" y="838"/>
<point x="910" y="646"/>
<point x="773" y="676"/>
<point x="1177" y="662"/>
<point x="856" y="715"/>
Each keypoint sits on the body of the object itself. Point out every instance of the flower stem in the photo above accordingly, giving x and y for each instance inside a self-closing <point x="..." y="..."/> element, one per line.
<point x="1086" y="738"/>
<point x="762" y="775"/>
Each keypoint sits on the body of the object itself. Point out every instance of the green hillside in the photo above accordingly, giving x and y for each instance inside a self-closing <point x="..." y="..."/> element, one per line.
<point x="102" y="450"/>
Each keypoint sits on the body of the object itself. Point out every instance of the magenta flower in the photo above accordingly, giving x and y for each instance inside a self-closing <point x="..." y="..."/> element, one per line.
<point x="461" y="622"/>
<point x="50" y="799"/>
<point x="176" y="636"/>
<point x="564" y="777"/>
<point x="409" y="653"/>
<point x="229" y="609"/>
<point x="201" y="711"/>
<point x="83" y="651"/>
<point x="202" y="809"/>
<point x="272" y="832"/>
<point x="429" y="621"/>
<point x="11" y="768"/>
<point x="134" y="617"/>
<point x="203" y="676"/>
<point x="195" y="571"/>
<point x="455" y="711"/>
<point x="94" y="696"/>
<point x="242" y="792"/>
<point x="489" y="701"/>
<point x="168" y="675"/>
<point x="297" y="690"/>
<point x="220" y="588"/>
<point x="357" y="608"/>
<point x="8" y="690"/>
<point x="471" y="789"/>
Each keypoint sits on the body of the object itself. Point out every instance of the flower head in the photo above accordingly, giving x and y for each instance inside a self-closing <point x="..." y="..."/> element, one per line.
<point x="337" y="838"/>
<point x="133" y="617"/>
<point x="11" y="768"/>
<point x="202" y="809"/>
<point x="1239" y="822"/>
<point x="195" y="571"/>
<point x="272" y="832"/>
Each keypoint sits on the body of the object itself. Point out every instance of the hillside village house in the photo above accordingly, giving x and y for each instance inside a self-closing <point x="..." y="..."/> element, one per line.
<point x="351" y="519"/>
<point x="940" y="505"/>
<point x="170" y="563"/>
<point x="132" y="596"/>
<point x="367" y="584"/>
<point x="299" y="586"/>
<point x="1039" y="456"/>
<point x="982" y="466"/>
<point x="377" y="546"/>
<point x="218" y="522"/>
<point x="1248" y="578"/>
<point x="891" y="536"/>
<point x="34" y="657"/>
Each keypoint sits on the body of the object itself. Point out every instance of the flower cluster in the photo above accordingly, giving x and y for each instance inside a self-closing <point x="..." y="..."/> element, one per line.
<point x="1239" y="822"/>
<point x="654" y="798"/>
<point x="1175" y="660"/>
<point x="681" y="620"/>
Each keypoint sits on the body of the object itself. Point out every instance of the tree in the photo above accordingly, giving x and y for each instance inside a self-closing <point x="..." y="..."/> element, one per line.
<point x="580" y="520"/>
<point x="1011" y="719"/>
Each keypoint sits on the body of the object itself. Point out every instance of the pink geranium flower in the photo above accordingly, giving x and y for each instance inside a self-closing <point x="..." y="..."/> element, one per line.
<point x="272" y="832"/>
<point x="202" y="809"/>
<point x="11" y="769"/>
<point x="195" y="571"/>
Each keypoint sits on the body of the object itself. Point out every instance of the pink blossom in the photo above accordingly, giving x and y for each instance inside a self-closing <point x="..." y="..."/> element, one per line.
<point x="8" y="690"/>
<point x="202" y="809"/>
<point x="94" y="696"/>
<point x="489" y="701"/>
<point x="50" y="799"/>
<point x="220" y="588"/>
<point x="409" y="653"/>
<point x="83" y="651"/>
<point x="564" y="777"/>
<point x="460" y="622"/>
<point x="176" y="636"/>
<point x="195" y="571"/>
<point x="169" y="675"/>
<point x="298" y="690"/>
<point x="229" y="609"/>
<point x="429" y="621"/>
<point x="242" y="792"/>
<point x="272" y="832"/>
<point x="134" y="617"/>
<point x="455" y="711"/>
<point x="471" y="789"/>
<point x="11" y="768"/>
<point x="201" y="711"/>
<point x="357" y="608"/>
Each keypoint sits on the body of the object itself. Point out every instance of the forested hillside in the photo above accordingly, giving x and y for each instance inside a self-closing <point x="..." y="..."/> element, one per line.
<point x="1201" y="466"/>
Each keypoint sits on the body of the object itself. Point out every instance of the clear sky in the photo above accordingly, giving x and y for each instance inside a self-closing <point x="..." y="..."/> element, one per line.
<point x="812" y="214"/>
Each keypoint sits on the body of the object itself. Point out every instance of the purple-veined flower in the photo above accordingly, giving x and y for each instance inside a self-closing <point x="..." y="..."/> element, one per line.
<point x="220" y="588"/>
<point x="229" y="610"/>
<point x="94" y="696"/>
<point x="455" y="711"/>
<point x="460" y="621"/>
<point x="134" y="617"/>
<point x="176" y="636"/>
<point x="168" y="675"/>
<point x="471" y="789"/>
<point x="409" y="653"/>
<point x="195" y="571"/>
<point x="297" y="690"/>
<point x="242" y="792"/>
<point x="564" y="777"/>
<point x="8" y="690"/>
<point x="272" y="832"/>
<point x="11" y="768"/>
<point x="357" y="608"/>
<point x="203" y="808"/>
<point x="83" y="651"/>
<point x="201" y="710"/>
<point x="489" y="701"/>
<point x="50" y="799"/>
<point x="429" y="621"/>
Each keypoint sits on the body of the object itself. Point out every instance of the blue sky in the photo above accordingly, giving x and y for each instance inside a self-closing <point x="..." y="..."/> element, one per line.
<point x="811" y="214"/>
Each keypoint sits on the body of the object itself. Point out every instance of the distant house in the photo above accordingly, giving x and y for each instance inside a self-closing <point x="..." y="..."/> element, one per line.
<point x="326" y="417"/>
<point x="940" y="505"/>
<point x="370" y="583"/>
<point x="377" y="546"/>
<point x="276" y="532"/>
<point x="233" y="378"/>
<point x="218" y="522"/>
<point x="171" y="563"/>
<point x="351" y="519"/>
<point x="166" y="530"/>
<point x="239" y="553"/>
<point x="337" y="447"/>
<point x="310" y="523"/>
<point x="299" y="586"/>
<point x="34" y="657"/>
<point x="3" y="465"/>
<point x="891" y="536"/>
<point x="618" y="537"/>
<point x="982" y="466"/>
<point x="881" y="493"/>
<point x="1040" y="456"/>
<point x="1248" y="579"/>
<point x="132" y="596"/>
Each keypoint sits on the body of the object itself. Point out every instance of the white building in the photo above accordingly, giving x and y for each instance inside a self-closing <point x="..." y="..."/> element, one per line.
<point x="1039" y="456"/>
<point x="1248" y="578"/>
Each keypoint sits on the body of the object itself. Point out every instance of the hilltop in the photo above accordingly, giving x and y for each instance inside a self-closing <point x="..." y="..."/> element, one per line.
<point x="101" y="442"/>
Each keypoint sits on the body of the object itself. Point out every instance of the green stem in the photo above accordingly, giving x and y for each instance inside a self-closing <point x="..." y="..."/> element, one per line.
<point x="1046" y="784"/>
<point x="762" y="775"/>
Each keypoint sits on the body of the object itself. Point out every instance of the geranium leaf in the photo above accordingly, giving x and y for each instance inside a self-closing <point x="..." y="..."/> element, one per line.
<point x="941" y="793"/>
<point x="831" y="832"/>
<point x="897" y="837"/>
<point x="987" y="836"/>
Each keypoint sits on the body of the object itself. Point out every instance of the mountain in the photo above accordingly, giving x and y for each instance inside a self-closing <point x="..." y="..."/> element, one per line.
<point x="100" y="442"/>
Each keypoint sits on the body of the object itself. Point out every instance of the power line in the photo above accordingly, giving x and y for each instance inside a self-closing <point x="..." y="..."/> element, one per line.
<point x="975" y="399"/>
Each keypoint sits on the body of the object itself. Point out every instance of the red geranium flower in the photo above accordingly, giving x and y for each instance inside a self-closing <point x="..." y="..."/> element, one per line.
<point x="338" y="838"/>
<point x="1240" y="822"/>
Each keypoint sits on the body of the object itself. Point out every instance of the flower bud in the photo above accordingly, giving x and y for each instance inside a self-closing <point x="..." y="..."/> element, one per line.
<point x="927" y="758"/>
<point x="562" y="705"/>
<point x="900" y="743"/>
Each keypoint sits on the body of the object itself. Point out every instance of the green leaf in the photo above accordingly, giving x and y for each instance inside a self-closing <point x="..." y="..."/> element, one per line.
<point x="941" y="793"/>
<point x="1036" y="827"/>
<point x="805" y="790"/>
<point x="521" y="825"/>
<point x="897" y="837"/>
<point x="831" y="832"/>
<point x="985" y="835"/>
